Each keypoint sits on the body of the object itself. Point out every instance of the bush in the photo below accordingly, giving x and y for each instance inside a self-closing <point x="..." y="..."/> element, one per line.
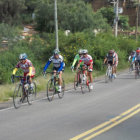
<point x="73" y="15"/>
<point x="40" y="49"/>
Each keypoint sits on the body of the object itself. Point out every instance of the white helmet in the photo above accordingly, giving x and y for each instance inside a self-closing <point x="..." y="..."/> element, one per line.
<point x="85" y="51"/>
<point x="23" y="56"/>
<point x="80" y="51"/>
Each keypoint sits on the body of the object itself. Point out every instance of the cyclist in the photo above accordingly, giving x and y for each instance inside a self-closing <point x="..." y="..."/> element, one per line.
<point x="111" y="60"/>
<point x="58" y="65"/>
<point x="27" y="67"/>
<point x="131" y="58"/>
<point x="137" y="58"/>
<point x="77" y="58"/>
<point x="88" y="61"/>
<point x="116" y="63"/>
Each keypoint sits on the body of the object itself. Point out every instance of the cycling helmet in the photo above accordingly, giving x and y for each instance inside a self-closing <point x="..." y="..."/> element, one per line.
<point x="85" y="51"/>
<point x="111" y="52"/>
<point x="56" y="51"/>
<point x="23" y="56"/>
<point x="138" y="51"/>
<point x="80" y="51"/>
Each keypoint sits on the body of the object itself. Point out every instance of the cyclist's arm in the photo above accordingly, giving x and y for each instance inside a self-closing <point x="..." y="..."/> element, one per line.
<point x="105" y="60"/>
<point x="91" y="63"/>
<point x="75" y="60"/>
<point x="47" y="65"/>
<point x="30" y="71"/>
<point x="61" y="66"/>
<point x="15" y="70"/>
<point x="113" y="61"/>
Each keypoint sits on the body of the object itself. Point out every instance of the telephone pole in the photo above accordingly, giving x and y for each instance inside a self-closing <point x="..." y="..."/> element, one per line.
<point x="56" y="24"/>
<point x="117" y="17"/>
<point x="137" y="19"/>
<point x="116" y="9"/>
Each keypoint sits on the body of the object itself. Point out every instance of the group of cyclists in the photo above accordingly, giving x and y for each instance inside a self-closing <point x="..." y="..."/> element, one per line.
<point x="81" y="59"/>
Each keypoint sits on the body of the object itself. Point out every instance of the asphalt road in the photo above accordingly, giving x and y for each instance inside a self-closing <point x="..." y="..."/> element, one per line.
<point x="110" y="112"/>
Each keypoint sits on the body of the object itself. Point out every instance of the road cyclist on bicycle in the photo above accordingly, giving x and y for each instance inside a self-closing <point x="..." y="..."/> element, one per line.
<point x="88" y="62"/>
<point x="137" y="58"/>
<point x="131" y="59"/>
<point x="27" y="67"/>
<point x="76" y="60"/>
<point x="110" y="59"/>
<point x="58" y="65"/>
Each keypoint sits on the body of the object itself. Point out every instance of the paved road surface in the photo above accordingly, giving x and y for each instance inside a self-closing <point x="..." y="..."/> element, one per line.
<point x="69" y="118"/>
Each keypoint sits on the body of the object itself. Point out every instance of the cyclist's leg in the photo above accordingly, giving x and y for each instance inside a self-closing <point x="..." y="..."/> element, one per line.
<point x="60" y="81"/>
<point x="60" y="78"/>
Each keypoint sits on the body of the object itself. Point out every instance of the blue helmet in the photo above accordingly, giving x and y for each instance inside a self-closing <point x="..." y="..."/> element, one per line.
<point x="23" y="56"/>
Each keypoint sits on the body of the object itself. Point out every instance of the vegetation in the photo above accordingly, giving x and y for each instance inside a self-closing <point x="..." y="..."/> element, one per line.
<point x="76" y="16"/>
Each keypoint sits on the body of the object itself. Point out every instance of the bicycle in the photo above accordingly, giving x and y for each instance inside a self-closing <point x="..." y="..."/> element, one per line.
<point x="52" y="86"/>
<point x="22" y="91"/>
<point x="137" y="71"/>
<point x="108" y="76"/>
<point x="84" y="80"/>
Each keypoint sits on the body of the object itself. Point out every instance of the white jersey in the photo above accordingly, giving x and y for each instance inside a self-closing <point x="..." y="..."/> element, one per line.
<point x="56" y="62"/>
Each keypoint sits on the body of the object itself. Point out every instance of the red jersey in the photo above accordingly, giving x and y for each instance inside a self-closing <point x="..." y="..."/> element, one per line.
<point x="25" y="66"/>
<point x="87" y="60"/>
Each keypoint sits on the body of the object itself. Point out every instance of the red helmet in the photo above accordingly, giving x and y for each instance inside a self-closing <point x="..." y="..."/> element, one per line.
<point x="138" y="51"/>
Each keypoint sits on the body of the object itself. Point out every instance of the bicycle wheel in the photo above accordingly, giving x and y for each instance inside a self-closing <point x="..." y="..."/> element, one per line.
<point x="50" y="90"/>
<point x="136" y="73"/>
<point x="31" y="93"/>
<point x="61" y="94"/>
<point x="85" y="86"/>
<point x="76" y="83"/>
<point x="107" y="77"/>
<point x="18" y="96"/>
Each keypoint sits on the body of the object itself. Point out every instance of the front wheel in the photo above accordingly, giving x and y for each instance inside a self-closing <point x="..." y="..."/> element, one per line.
<point x="61" y="94"/>
<point x="31" y="94"/>
<point x="18" y="96"/>
<point x="85" y="87"/>
<point x="50" y="90"/>
<point x="76" y="81"/>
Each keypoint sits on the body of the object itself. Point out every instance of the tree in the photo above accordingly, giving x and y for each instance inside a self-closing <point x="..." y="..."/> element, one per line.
<point x="10" y="10"/>
<point x="72" y="15"/>
<point x="108" y="13"/>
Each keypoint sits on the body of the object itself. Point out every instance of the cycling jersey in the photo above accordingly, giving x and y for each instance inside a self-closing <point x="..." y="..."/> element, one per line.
<point x="137" y="58"/>
<point x="76" y="59"/>
<point x="26" y="67"/>
<point x="110" y="58"/>
<point x="87" y="60"/>
<point x="132" y="57"/>
<point x="57" y="63"/>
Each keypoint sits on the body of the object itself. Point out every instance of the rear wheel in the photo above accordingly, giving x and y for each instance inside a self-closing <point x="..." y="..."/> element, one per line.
<point x="107" y="77"/>
<point x="50" y="90"/>
<point x="31" y="94"/>
<point x="18" y="96"/>
<point x="136" y="73"/>
<point x="61" y="94"/>
<point x="85" y="86"/>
